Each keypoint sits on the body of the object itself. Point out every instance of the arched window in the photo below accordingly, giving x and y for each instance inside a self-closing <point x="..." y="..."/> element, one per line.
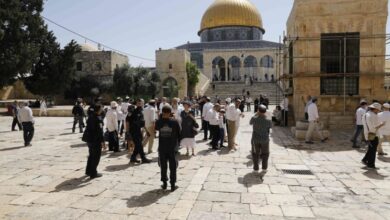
<point x="219" y="69"/>
<point x="250" y="61"/>
<point x="170" y="87"/>
<point x="267" y="62"/>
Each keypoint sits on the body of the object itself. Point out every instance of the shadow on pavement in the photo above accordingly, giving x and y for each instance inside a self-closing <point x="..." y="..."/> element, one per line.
<point x="373" y="174"/>
<point x="147" y="198"/>
<point x="78" y="145"/>
<point x="384" y="159"/>
<point x="251" y="179"/>
<point x="73" y="184"/>
<point x="114" y="168"/>
<point x="12" y="148"/>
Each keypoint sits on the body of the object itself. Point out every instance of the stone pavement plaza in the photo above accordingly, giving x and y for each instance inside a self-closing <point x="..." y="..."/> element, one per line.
<point x="46" y="181"/>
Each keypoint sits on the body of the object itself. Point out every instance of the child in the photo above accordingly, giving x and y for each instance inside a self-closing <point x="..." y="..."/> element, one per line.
<point x="169" y="138"/>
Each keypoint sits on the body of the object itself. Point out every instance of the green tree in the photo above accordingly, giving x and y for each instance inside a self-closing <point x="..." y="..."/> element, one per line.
<point x="54" y="69"/>
<point x="123" y="81"/>
<point x="192" y="77"/>
<point x="21" y="32"/>
<point x="88" y="87"/>
<point x="155" y="81"/>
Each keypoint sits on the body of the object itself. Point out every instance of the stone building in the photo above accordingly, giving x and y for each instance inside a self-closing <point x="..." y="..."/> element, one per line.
<point x="336" y="51"/>
<point x="92" y="61"/>
<point x="232" y="48"/>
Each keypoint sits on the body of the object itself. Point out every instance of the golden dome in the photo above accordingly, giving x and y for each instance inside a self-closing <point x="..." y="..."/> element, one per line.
<point x="224" y="13"/>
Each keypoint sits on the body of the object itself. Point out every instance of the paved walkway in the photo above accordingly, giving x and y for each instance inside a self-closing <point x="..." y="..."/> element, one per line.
<point x="46" y="181"/>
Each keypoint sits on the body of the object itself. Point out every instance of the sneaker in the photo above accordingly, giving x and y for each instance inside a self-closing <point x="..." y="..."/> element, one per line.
<point x="174" y="187"/>
<point x="309" y="142"/>
<point x="193" y="154"/>
<point x="146" y="160"/>
<point x="372" y="168"/>
<point x="382" y="154"/>
<point x="164" y="186"/>
<point x="135" y="161"/>
<point x="98" y="175"/>
<point x="364" y="162"/>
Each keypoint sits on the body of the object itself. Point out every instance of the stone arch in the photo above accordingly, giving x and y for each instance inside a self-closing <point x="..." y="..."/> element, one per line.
<point x="170" y="87"/>
<point x="267" y="62"/>
<point x="219" y="69"/>
<point x="250" y="68"/>
<point x="234" y="68"/>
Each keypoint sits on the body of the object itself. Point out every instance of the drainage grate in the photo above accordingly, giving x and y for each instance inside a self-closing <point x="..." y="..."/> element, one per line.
<point x="297" y="172"/>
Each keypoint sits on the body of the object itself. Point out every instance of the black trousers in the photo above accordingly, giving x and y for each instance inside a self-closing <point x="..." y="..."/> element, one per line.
<point x="78" y="120"/>
<point x="165" y="159"/>
<point x="28" y="132"/>
<point x="285" y="117"/>
<point x="138" y="148"/>
<point x="95" y="152"/>
<point x="260" y="151"/>
<point x="214" y="131"/>
<point x="15" y="122"/>
<point x="221" y="136"/>
<point x="370" y="156"/>
<point x="113" y="141"/>
<point x="306" y="116"/>
<point x="205" y="128"/>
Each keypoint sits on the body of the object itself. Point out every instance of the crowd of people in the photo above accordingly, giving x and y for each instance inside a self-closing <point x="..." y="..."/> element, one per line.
<point x="134" y="125"/>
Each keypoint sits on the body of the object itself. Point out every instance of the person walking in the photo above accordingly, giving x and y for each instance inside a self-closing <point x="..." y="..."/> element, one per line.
<point x="384" y="132"/>
<point x="206" y="108"/>
<point x="231" y="117"/>
<point x="359" y="124"/>
<point x="93" y="135"/>
<point x="188" y="128"/>
<point x="308" y="102"/>
<point x="214" y="119"/>
<point x="260" y="138"/>
<point x="284" y="106"/>
<point x="371" y="125"/>
<point x="78" y="116"/>
<point x="15" y="121"/>
<point x="222" y="128"/>
<point x="25" y="116"/>
<point x="150" y="120"/>
<point x="123" y="107"/>
<point x="314" y="120"/>
<point x="169" y="137"/>
<point x="239" y="115"/>
<point x="137" y="122"/>
<point x="42" y="108"/>
<point x="248" y="104"/>
<point x="112" y="127"/>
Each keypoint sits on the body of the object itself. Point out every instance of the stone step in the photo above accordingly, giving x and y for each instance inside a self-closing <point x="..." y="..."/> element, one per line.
<point x="301" y="134"/>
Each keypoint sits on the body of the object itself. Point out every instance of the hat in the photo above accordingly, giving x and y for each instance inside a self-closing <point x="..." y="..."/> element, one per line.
<point x="386" y="105"/>
<point x="363" y="102"/>
<point x="127" y="98"/>
<point x="376" y="106"/>
<point x="228" y="100"/>
<point x="114" y="104"/>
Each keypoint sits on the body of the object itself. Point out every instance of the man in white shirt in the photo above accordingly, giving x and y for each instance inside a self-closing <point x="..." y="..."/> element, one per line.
<point x="214" y="118"/>
<point x="248" y="104"/>
<point x="314" y="120"/>
<point x="25" y="117"/>
<point x="384" y="132"/>
<point x="163" y="103"/>
<point x="150" y="120"/>
<point x="124" y="106"/>
<point x="231" y="117"/>
<point x="112" y="127"/>
<point x="284" y="106"/>
<point x="371" y="126"/>
<point x="359" y="125"/>
<point x="206" y="108"/>
<point x="308" y="102"/>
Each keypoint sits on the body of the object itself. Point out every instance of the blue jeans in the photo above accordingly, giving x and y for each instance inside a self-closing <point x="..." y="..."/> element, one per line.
<point x="221" y="136"/>
<point x="358" y="131"/>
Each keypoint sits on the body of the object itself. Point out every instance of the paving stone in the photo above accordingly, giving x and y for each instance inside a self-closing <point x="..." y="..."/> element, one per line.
<point x="229" y="207"/>
<point x="279" y="189"/>
<point x="253" y="198"/>
<point x="285" y="199"/>
<point x="219" y="197"/>
<point x="266" y="210"/>
<point x="196" y="215"/>
<point x="299" y="212"/>
<point x="27" y="198"/>
<point x="91" y="203"/>
<point x="102" y="216"/>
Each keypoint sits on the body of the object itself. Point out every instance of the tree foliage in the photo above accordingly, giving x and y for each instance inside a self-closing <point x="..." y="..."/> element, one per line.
<point x="21" y="32"/>
<point x="192" y="77"/>
<point x="54" y="69"/>
<point x="135" y="82"/>
<point x="88" y="87"/>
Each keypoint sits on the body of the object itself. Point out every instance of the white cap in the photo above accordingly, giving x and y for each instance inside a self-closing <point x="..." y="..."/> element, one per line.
<point x="114" y="104"/>
<point x="228" y="100"/>
<point x="386" y="105"/>
<point x="376" y="106"/>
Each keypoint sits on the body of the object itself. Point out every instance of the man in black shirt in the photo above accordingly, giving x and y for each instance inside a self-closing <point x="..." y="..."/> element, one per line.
<point x="168" y="143"/>
<point x="137" y="122"/>
<point x="78" y="114"/>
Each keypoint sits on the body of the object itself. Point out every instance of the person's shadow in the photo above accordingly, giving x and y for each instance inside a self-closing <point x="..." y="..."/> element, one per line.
<point x="252" y="178"/>
<point x="73" y="184"/>
<point x="147" y="198"/>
